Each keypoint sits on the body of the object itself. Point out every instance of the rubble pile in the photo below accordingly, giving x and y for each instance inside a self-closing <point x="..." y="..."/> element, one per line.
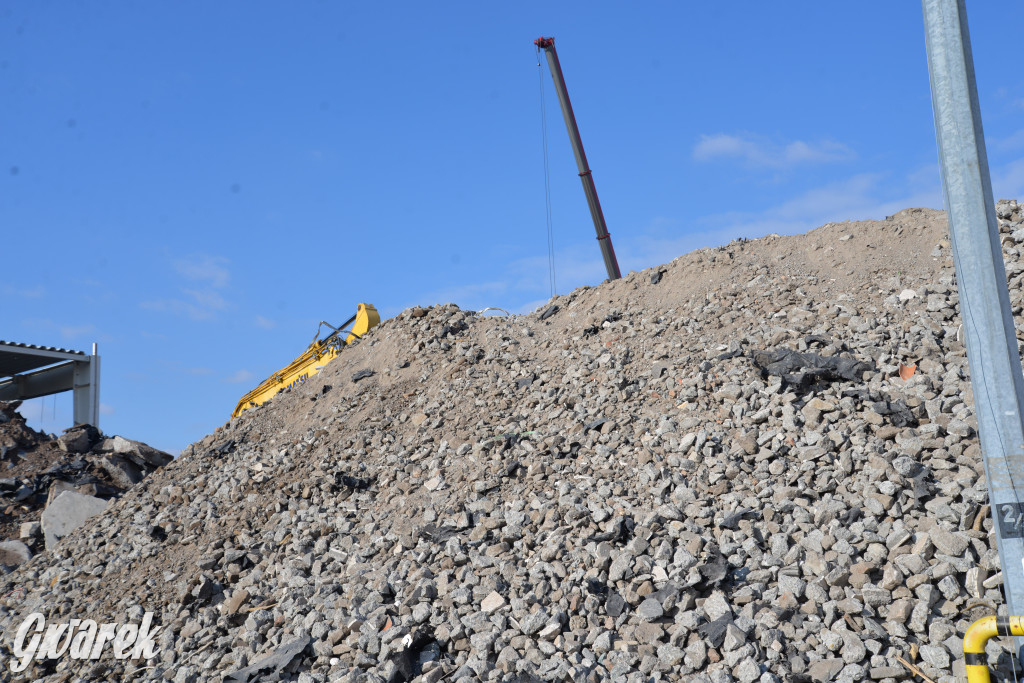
<point x="755" y="463"/>
<point x="35" y="469"/>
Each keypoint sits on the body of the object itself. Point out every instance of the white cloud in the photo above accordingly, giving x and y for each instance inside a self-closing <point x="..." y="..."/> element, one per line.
<point x="70" y="332"/>
<point x="204" y="268"/>
<point x="36" y="292"/>
<point x="522" y="285"/>
<point x="757" y="152"/>
<point x="861" y="197"/>
<point x="264" y="323"/>
<point x="206" y="299"/>
<point x="202" y="306"/>
<point x="1008" y="180"/>
<point x="202" y="298"/>
<point x="106" y="409"/>
<point x="578" y="263"/>
<point x="239" y="377"/>
<point x="1011" y="142"/>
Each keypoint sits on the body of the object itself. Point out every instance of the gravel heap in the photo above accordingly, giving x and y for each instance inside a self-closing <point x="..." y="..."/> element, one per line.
<point x="720" y="469"/>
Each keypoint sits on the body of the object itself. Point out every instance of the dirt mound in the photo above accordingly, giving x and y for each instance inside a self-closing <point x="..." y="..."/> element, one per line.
<point x="711" y="470"/>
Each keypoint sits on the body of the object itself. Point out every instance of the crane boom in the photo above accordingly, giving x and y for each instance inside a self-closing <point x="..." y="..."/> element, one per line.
<point x="604" y="239"/>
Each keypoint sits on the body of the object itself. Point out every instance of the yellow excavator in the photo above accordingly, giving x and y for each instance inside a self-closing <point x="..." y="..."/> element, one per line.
<point x="319" y="353"/>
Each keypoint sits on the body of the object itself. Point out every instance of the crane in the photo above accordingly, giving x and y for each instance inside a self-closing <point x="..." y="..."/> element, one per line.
<point x="611" y="264"/>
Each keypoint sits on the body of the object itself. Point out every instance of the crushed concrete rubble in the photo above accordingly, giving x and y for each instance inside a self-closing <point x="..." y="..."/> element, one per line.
<point x="618" y="488"/>
<point x="35" y="469"/>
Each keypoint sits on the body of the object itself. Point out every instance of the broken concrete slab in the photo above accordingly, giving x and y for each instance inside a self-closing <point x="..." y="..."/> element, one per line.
<point x="66" y="513"/>
<point x="235" y="602"/>
<point x="13" y="553"/>
<point x="274" y="663"/>
<point x="825" y="670"/>
<point x="56" y="488"/>
<point x="142" y="454"/>
<point x="122" y="472"/>
<point x="74" y="441"/>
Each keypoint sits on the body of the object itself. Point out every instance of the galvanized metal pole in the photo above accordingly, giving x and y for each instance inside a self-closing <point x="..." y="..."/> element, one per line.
<point x="611" y="264"/>
<point x="995" y="366"/>
<point x="94" y="385"/>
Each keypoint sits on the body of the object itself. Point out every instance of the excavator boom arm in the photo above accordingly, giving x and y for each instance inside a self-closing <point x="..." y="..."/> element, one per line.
<point x="318" y="354"/>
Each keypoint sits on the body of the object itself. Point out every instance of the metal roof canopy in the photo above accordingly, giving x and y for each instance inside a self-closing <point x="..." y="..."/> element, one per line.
<point x="34" y="371"/>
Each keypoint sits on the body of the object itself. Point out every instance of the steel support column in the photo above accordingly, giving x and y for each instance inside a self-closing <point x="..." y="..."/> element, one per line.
<point x="86" y="388"/>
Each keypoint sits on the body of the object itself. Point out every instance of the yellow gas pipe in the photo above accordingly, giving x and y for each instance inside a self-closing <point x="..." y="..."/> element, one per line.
<point x="976" y="637"/>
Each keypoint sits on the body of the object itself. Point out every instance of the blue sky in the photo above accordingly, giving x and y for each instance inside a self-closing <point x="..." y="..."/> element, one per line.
<point x="195" y="185"/>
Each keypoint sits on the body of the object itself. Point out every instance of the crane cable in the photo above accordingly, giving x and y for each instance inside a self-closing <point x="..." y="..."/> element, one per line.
<point x="547" y="179"/>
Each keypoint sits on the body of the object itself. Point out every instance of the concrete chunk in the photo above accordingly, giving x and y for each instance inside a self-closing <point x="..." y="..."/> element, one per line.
<point x="492" y="603"/>
<point x="235" y="602"/>
<point x="825" y="670"/>
<point x="66" y="513"/>
<point x="122" y="472"/>
<point x="142" y="454"/>
<point x="948" y="542"/>
<point x="13" y="553"/>
<point x="74" y="441"/>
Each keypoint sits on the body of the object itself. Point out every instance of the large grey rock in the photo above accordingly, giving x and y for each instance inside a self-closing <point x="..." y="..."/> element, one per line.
<point x="66" y="513"/>
<point x="119" y="444"/>
<point x="825" y="670"/>
<point x="935" y="655"/>
<point x="853" y="648"/>
<point x="716" y="606"/>
<point x="56" y="488"/>
<point x="492" y="603"/>
<point x="614" y="605"/>
<point x="948" y="542"/>
<point x="620" y="568"/>
<point x="650" y="610"/>
<point x="275" y="662"/>
<point x="140" y="453"/>
<point x="14" y="553"/>
<point x="74" y="441"/>
<point x="533" y="622"/>
<point x="123" y="473"/>
<point x="747" y="671"/>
